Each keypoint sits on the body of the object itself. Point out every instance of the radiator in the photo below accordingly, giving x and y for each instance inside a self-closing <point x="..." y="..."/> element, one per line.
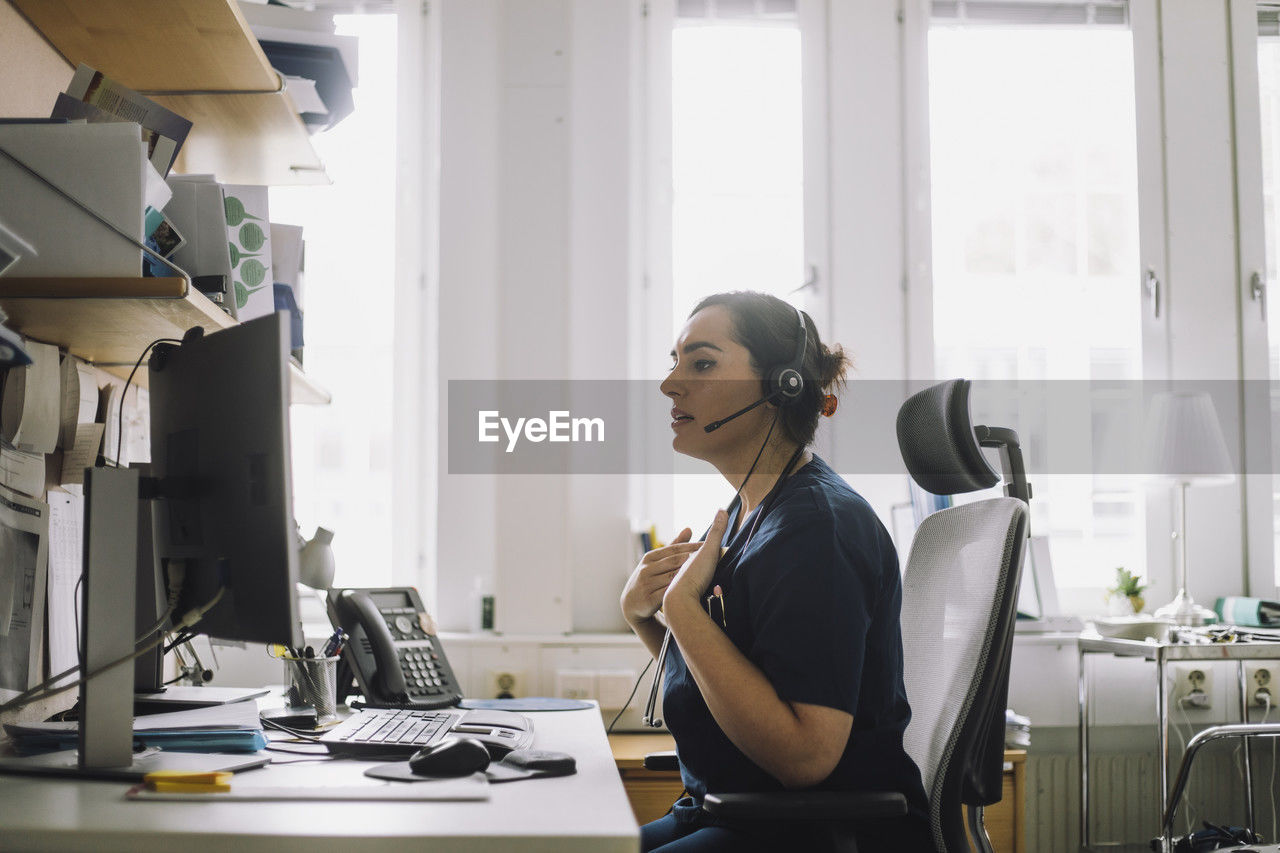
<point x="1123" y="802"/>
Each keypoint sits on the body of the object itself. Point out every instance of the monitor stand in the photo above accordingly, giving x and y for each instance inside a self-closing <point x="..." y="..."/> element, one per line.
<point x="106" y="701"/>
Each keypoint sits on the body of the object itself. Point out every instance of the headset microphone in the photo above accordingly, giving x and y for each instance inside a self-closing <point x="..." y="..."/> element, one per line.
<point x="715" y="425"/>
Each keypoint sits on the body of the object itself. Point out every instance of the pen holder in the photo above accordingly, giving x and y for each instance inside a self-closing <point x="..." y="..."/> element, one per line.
<point x="313" y="682"/>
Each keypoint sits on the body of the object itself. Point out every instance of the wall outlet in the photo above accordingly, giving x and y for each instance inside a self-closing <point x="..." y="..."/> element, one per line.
<point x="576" y="683"/>
<point x="505" y="684"/>
<point x="1260" y="683"/>
<point x="1193" y="687"/>
<point x="614" y="686"/>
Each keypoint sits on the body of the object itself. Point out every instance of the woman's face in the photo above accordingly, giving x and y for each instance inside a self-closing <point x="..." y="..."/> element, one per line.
<point x="711" y="378"/>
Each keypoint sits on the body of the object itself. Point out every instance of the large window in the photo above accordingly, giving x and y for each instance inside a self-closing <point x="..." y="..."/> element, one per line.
<point x="342" y="452"/>
<point x="1269" y="96"/>
<point x="737" y="182"/>
<point x="1035" y="249"/>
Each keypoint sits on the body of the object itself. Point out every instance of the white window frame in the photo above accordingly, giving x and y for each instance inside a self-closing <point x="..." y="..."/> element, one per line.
<point x="1202" y="331"/>
<point x="651" y="494"/>
<point x="1261" y="576"/>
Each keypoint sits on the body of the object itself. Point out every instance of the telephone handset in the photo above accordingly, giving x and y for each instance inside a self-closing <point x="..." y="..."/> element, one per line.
<point x="393" y="650"/>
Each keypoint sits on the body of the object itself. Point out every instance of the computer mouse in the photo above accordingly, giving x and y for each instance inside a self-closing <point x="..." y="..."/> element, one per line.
<point x="460" y="756"/>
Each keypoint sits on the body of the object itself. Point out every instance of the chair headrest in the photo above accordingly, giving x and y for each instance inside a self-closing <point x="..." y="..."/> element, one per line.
<point x="938" y="444"/>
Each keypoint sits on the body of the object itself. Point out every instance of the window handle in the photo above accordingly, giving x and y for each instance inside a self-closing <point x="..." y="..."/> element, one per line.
<point x="1151" y="286"/>
<point x="1258" y="291"/>
<point x="810" y="282"/>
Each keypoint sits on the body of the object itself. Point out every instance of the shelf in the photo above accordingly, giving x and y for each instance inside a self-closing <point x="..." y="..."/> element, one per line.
<point x="109" y="321"/>
<point x="199" y="59"/>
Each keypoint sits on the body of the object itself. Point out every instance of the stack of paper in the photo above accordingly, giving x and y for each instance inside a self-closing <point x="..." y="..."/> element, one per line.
<point x="221" y="728"/>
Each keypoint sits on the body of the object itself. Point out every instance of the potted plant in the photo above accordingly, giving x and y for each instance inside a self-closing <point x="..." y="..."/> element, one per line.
<point x="1126" y="595"/>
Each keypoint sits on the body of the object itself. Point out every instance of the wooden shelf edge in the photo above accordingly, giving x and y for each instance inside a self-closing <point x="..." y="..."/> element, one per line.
<point x="168" y="287"/>
<point x="111" y="327"/>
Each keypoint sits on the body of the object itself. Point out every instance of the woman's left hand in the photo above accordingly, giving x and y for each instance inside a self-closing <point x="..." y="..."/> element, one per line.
<point x="692" y="579"/>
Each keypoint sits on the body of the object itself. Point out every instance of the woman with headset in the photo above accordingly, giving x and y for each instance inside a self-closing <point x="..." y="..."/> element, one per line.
<point x="783" y="652"/>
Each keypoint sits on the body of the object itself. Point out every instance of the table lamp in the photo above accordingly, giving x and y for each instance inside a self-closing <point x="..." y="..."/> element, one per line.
<point x="1185" y="447"/>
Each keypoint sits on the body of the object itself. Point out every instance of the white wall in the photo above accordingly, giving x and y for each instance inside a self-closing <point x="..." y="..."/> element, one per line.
<point x="534" y="276"/>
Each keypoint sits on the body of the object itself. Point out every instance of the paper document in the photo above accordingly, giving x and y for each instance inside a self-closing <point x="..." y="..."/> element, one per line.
<point x="81" y="455"/>
<point x="79" y="402"/>
<point x="30" y="408"/>
<point x="303" y="93"/>
<point x="24" y="538"/>
<point x="234" y="715"/>
<point x="21" y="471"/>
<point x="163" y="129"/>
<point x="249" y="244"/>
<point x="66" y="537"/>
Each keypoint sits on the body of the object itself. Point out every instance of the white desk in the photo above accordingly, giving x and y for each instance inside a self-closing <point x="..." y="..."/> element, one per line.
<point x="586" y="811"/>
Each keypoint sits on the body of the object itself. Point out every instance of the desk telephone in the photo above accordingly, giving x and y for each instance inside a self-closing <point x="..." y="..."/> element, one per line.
<point x="398" y="663"/>
<point x="393" y="652"/>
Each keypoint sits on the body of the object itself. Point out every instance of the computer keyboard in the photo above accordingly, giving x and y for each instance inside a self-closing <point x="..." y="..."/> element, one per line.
<point x="399" y="733"/>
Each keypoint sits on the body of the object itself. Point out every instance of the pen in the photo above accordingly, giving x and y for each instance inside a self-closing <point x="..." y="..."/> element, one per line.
<point x="717" y="595"/>
<point x="331" y="647"/>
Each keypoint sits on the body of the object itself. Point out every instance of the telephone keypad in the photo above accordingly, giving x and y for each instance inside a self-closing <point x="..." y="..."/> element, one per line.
<point x="423" y="674"/>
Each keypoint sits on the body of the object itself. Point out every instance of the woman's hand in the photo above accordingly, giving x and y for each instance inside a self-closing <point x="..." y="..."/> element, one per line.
<point x="690" y="582"/>
<point x="642" y="596"/>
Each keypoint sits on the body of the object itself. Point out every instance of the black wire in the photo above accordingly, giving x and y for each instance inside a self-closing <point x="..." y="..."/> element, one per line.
<point x="184" y="637"/>
<point x="311" y="760"/>
<point x="627" y="704"/>
<point x="125" y="391"/>
<point x="657" y="675"/>
<point x="76" y="603"/>
<point x="272" y="724"/>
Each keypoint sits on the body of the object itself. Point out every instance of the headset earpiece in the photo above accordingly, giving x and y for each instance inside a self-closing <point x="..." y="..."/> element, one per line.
<point x="786" y="381"/>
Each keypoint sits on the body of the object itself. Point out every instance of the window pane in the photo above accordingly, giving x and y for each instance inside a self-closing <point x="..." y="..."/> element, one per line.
<point x="1035" y="250"/>
<point x="737" y="173"/>
<point x="341" y="464"/>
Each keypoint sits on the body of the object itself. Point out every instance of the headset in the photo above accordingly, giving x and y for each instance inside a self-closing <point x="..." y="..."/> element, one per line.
<point x="785" y="383"/>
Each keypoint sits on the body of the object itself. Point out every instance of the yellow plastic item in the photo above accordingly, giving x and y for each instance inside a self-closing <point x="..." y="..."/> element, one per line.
<point x="211" y="782"/>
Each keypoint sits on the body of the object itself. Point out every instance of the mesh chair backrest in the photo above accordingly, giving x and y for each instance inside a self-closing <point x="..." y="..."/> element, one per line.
<point x="962" y="572"/>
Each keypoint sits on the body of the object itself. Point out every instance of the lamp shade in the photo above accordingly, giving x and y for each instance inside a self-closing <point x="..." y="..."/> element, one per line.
<point x="1184" y="441"/>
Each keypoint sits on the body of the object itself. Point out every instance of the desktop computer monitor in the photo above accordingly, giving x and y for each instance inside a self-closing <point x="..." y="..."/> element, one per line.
<point x="220" y="497"/>
<point x="220" y="458"/>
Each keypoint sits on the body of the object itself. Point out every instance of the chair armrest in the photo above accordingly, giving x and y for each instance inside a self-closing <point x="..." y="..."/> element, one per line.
<point x="807" y="805"/>
<point x="662" y="761"/>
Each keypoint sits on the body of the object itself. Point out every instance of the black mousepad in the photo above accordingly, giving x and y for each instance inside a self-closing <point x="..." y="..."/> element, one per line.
<point x="400" y="772"/>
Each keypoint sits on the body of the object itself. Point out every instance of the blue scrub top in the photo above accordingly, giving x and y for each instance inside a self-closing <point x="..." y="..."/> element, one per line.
<point x="813" y="600"/>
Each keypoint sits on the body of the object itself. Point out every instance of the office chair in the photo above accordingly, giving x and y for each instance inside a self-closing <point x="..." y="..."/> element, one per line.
<point x="959" y="594"/>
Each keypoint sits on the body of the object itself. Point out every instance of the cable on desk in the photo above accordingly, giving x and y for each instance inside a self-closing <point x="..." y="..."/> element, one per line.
<point x="45" y="690"/>
<point x="297" y="733"/>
